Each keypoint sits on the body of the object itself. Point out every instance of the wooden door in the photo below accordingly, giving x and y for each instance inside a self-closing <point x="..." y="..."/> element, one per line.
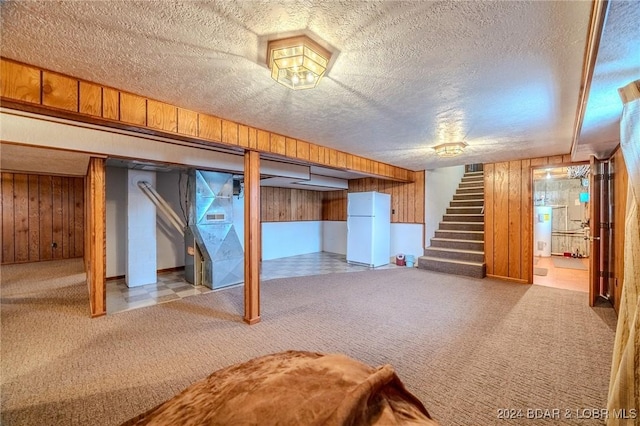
<point x="595" y="257"/>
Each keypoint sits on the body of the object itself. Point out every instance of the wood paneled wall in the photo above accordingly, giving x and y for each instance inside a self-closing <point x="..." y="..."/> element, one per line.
<point x="620" y="187"/>
<point x="407" y="199"/>
<point x="69" y="97"/>
<point x="285" y="204"/>
<point x="42" y="217"/>
<point x="508" y="223"/>
<point x="334" y="205"/>
<point x="290" y="205"/>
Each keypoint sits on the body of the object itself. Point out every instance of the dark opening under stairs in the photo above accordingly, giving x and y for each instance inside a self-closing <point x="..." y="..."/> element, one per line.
<point x="458" y="246"/>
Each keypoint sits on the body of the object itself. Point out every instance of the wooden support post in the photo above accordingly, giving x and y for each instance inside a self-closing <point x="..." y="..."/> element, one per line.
<point x="252" y="237"/>
<point x="95" y="238"/>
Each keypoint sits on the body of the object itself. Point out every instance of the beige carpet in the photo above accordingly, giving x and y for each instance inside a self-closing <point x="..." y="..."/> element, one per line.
<point x="467" y="348"/>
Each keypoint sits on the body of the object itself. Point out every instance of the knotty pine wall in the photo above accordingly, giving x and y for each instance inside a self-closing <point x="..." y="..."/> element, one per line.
<point x="508" y="222"/>
<point x="38" y="211"/>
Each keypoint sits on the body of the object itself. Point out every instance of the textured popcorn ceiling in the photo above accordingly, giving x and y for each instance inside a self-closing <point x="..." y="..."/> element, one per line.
<point x="617" y="64"/>
<point x="502" y="76"/>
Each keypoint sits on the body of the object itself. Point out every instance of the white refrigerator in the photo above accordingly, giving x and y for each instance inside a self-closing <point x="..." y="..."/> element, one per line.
<point x="368" y="228"/>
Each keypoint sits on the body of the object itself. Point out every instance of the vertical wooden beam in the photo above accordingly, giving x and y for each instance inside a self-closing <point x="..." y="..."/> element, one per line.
<point x="489" y="180"/>
<point x="515" y="230"/>
<point x="96" y="238"/>
<point x="501" y="215"/>
<point x="252" y="237"/>
<point x="8" y="248"/>
<point x="526" y="270"/>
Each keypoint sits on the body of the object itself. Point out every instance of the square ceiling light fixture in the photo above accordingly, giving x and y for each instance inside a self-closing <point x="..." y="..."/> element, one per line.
<point x="450" y="149"/>
<point x="297" y="62"/>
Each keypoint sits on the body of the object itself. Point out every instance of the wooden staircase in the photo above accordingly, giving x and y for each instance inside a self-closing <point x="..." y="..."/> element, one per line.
<point x="458" y="246"/>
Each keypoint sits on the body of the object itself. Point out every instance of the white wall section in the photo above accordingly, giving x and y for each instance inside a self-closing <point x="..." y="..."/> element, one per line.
<point x="440" y="185"/>
<point x="334" y="237"/>
<point x="142" y="263"/>
<point x="283" y="239"/>
<point x="406" y="238"/>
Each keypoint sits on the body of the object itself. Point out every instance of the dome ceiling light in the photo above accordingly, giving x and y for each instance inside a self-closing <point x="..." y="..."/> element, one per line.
<point x="297" y="62"/>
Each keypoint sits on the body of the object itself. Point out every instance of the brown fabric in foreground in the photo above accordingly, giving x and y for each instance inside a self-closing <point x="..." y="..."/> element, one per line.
<point x="293" y="388"/>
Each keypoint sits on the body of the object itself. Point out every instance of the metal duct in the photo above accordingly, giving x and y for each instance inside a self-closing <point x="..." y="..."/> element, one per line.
<point x="219" y="257"/>
<point x="163" y="206"/>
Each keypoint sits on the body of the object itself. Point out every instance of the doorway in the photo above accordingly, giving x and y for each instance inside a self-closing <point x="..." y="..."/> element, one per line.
<point x="561" y="215"/>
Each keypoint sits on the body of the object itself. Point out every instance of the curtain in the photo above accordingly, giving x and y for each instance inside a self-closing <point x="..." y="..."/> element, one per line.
<point x="624" y="387"/>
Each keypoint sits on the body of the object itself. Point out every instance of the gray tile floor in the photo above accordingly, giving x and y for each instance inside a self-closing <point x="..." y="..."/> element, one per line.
<point x="172" y="286"/>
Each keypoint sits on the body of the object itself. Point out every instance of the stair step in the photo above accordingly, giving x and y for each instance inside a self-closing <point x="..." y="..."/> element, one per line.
<point x="476" y="173"/>
<point x="457" y="267"/>
<point x="467" y="203"/>
<point x="456" y="243"/>
<point x="463" y="218"/>
<point x="472" y="184"/>
<point x="461" y="234"/>
<point x="447" y="253"/>
<point x="471" y="190"/>
<point x="476" y="178"/>
<point x="476" y="196"/>
<point x="461" y="226"/>
<point x="465" y="210"/>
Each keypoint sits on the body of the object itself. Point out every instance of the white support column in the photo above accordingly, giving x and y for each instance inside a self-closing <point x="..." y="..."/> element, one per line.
<point x="141" y="231"/>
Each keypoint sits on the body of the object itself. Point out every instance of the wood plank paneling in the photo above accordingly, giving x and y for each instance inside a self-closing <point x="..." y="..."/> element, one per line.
<point x="291" y="147"/>
<point x="34" y="218"/>
<point x="78" y="219"/>
<point x="489" y="217"/>
<point x="210" y="127"/>
<point x="110" y="103"/>
<point x="541" y="161"/>
<point x="56" y="223"/>
<point x="508" y="217"/>
<point x="59" y="91"/>
<point x="501" y="215"/>
<point x="407" y="199"/>
<point x="133" y="109"/>
<point x="243" y="136"/>
<point x="333" y="157"/>
<point x="419" y="197"/>
<point x="526" y="225"/>
<point x="314" y="153"/>
<point x="45" y="212"/>
<point x="515" y="219"/>
<point x="253" y="138"/>
<point x="90" y="99"/>
<point x="302" y="150"/>
<point x="187" y="122"/>
<point x="19" y="82"/>
<point x="66" y="233"/>
<point x="278" y="144"/>
<point x="264" y="141"/>
<point x="162" y="116"/>
<point x="21" y="217"/>
<point x="229" y="132"/>
<point x="620" y="192"/>
<point x="288" y="204"/>
<point x="8" y="224"/>
<point x="557" y="159"/>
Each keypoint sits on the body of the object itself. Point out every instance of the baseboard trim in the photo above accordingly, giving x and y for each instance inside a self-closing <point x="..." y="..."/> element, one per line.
<point x="513" y="280"/>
